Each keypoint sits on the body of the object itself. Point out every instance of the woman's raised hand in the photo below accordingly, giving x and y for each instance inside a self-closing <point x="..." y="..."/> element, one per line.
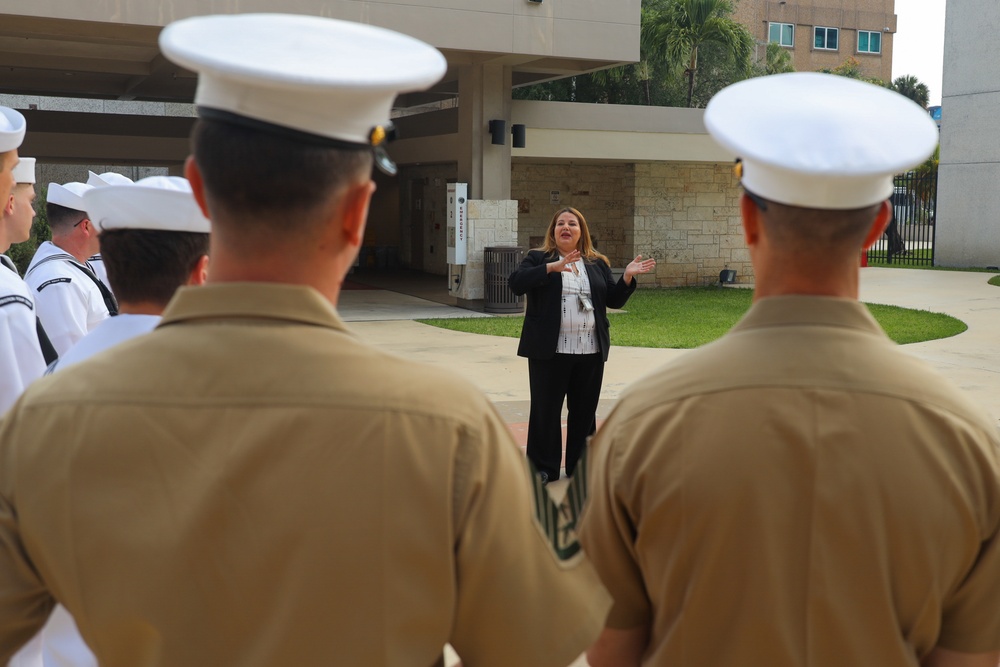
<point x="564" y="263"/>
<point x="637" y="266"/>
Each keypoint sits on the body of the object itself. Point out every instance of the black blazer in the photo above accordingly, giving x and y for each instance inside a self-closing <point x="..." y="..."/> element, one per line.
<point x="540" y="333"/>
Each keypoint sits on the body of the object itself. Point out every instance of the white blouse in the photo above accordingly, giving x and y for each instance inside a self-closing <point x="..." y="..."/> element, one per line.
<point x="576" y="330"/>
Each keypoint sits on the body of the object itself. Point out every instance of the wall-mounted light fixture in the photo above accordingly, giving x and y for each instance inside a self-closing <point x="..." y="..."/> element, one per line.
<point x="498" y="132"/>
<point x="517" y="132"/>
<point x="537" y="2"/>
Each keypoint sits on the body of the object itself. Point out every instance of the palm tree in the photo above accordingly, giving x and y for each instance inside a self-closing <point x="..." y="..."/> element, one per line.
<point x="643" y="70"/>
<point x="926" y="179"/>
<point x="851" y="68"/>
<point x="777" y="59"/>
<point x="680" y="27"/>
<point x="910" y="86"/>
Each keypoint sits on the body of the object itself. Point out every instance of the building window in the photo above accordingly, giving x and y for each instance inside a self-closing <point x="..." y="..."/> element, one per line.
<point x="782" y="33"/>
<point x="869" y="41"/>
<point x="826" y="38"/>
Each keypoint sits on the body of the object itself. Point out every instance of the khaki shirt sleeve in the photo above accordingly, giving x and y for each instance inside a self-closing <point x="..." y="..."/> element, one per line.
<point x="608" y="532"/>
<point x="25" y="603"/>
<point x="518" y="604"/>
<point x="970" y="622"/>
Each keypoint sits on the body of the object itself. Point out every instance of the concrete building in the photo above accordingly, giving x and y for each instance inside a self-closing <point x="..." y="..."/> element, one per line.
<point x="96" y="91"/>
<point x="968" y="231"/>
<point x="823" y="34"/>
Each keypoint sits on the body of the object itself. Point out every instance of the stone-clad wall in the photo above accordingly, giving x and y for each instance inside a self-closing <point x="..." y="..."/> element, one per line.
<point x="492" y="222"/>
<point x="688" y="214"/>
<point x="602" y="193"/>
<point x="685" y="214"/>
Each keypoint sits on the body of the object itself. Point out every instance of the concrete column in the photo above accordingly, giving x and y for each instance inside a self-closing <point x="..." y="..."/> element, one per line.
<point x="484" y="95"/>
<point x="968" y="199"/>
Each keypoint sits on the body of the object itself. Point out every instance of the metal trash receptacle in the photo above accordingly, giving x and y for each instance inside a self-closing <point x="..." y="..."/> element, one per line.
<point x="498" y="263"/>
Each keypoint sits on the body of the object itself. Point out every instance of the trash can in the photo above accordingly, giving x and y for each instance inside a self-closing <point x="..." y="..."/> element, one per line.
<point x="498" y="263"/>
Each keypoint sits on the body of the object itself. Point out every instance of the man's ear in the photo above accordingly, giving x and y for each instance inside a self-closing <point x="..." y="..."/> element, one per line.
<point x="193" y="175"/>
<point x="878" y="226"/>
<point x="751" y="220"/>
<point x="199" y="274"/>
<point x="9" y="208"/>
<point x="354" y="211"/>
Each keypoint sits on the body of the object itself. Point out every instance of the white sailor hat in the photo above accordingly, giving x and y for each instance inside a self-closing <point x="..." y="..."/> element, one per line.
<point x="161" y="203"/>
<point x="12" y="126"/>
<point x="819" y="140"/>
<point x="107" y="178"/>
<point x="24" y="171"/>
<point x="69" y="195"/>
<point x="322" y="80"/>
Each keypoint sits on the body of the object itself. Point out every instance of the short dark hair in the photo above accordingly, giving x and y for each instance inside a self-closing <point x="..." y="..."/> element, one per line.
<point x="146" y="265"/>
<point x="62" y="218"/>
<point x="812" y="229"/>
<point x="255" y="176"/>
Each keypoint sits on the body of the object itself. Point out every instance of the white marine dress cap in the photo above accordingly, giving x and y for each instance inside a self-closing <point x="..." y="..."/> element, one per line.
<point x="69" y="195"/>
<point x="323" y="80"/>
<point x="819" y="140"/>
<point x="159" y="203"/>
<point x="12" y="127"/>
<point x="107" y="178"/>
<point x="24" y="172"/>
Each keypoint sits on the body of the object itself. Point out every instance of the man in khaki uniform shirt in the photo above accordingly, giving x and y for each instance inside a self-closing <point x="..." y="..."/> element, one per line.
<point x="250" y="484"/>
<point x="800" y="492"/>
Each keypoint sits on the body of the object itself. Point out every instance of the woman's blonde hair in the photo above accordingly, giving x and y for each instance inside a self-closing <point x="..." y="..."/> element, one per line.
<point x="585" y="246"/>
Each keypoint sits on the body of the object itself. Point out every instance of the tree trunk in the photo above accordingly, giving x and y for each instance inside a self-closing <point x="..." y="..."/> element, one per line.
<point x="692" y="68"/>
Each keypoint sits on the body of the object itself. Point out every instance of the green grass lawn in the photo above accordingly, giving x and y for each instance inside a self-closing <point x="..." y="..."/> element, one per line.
<point x="692" y="316"/>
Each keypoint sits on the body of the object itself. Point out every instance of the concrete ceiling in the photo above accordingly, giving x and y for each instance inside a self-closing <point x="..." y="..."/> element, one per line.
<point x="72" y="58"/>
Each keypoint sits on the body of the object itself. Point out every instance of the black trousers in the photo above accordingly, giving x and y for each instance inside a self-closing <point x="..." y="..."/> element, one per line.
<point x="577" y="379"/>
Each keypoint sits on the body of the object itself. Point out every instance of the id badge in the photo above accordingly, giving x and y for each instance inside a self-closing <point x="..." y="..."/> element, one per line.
<point x="586" y="305"/>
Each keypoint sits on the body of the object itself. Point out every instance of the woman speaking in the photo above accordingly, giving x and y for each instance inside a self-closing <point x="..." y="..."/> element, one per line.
<point x="565" y="335"/>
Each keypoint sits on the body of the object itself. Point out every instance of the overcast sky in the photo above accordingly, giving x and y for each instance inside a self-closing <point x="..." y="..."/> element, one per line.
<point x="918" y="46"/>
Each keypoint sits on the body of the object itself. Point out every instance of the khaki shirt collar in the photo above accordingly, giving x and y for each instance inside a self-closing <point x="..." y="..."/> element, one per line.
<point x="809" y="311"/>
<point x="271" y="301"/>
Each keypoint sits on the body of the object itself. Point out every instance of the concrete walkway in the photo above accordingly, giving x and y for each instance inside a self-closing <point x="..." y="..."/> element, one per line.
<point x="971" y="359"/>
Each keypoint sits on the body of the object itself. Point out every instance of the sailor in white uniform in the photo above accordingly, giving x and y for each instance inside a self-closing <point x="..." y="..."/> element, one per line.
<point x="100" y="270"/>
<point x="99" y="181"/>
<point x="156" y="213"/>
<point x="21" y="359"/>
<point x="155" y="239"/>
<point x="70" y="298"/>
